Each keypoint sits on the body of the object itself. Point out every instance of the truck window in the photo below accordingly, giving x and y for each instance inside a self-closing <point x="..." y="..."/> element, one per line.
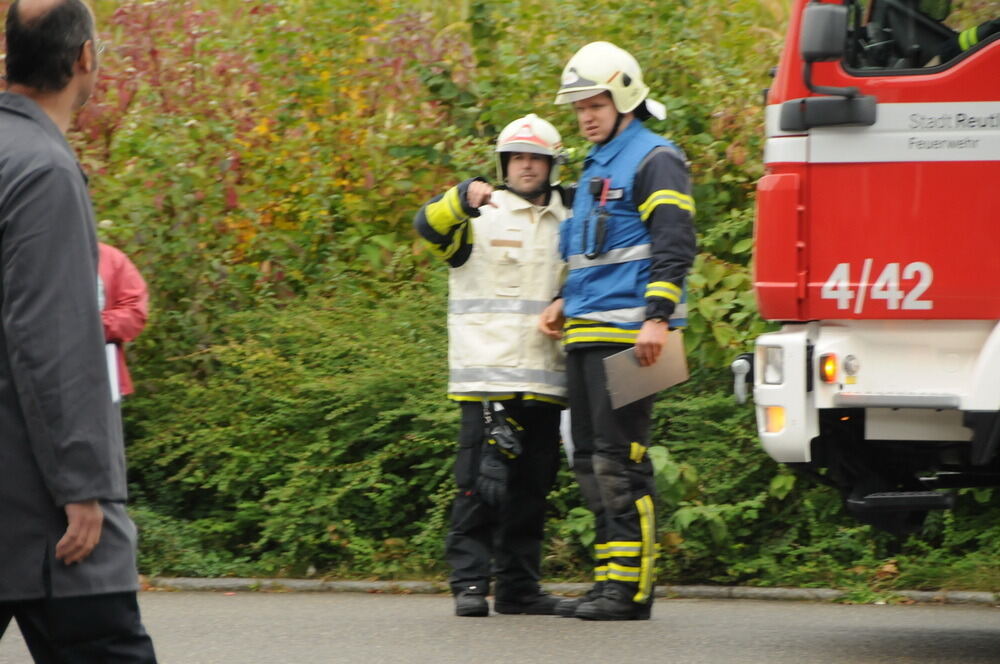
<point x="917" y="36"/>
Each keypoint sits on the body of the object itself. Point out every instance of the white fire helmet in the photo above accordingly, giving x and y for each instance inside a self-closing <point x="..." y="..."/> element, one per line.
<point x="603" y="67"/>
<point x="530" y="134"/>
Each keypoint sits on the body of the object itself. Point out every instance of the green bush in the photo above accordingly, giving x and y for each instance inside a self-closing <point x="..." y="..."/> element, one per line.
<point x="319" y="436"/>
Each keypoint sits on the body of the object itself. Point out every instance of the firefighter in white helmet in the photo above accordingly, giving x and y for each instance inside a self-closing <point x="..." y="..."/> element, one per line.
<point x="508" y="378"/>
<point x="629" y="244"/>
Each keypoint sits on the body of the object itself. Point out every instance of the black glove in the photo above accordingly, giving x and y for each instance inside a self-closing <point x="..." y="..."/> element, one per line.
<point x="493" y="474"/>
<point x="501" y="446"/>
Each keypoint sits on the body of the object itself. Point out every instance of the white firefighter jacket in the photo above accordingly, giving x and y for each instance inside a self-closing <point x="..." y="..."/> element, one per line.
<point x="505" y="269"/>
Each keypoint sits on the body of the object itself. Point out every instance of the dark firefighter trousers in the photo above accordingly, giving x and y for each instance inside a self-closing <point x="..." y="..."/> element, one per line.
<point x="503" y="543"/>
<point x="614" y="473"/>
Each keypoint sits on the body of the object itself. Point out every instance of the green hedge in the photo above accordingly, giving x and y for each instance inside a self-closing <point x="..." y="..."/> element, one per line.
<point x="319" y="437"/>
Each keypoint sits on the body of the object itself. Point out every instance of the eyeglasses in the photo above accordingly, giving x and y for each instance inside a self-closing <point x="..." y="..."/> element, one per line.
<point x="99" y="46"/>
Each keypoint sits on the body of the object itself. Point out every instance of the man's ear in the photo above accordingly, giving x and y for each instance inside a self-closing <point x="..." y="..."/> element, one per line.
<point x="88" y="57"/>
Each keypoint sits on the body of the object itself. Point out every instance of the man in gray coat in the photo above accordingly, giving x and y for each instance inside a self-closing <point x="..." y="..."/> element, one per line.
<point x="67" y="550"/>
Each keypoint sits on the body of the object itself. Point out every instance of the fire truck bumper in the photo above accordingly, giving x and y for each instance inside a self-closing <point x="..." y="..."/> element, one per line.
<point x="787" y="418"/>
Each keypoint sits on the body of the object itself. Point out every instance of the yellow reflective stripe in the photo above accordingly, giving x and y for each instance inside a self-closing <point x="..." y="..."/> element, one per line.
<point x="625" y="573"/>
<point x="544" y="398"/>
<point x="599" y="329"/>
<point x="601" y="340"/>
<point x="666" y="295"/>
<point x="601" y="551"/>
<point x="601" y="573"/>
<point x="581" y="330"/>
<point x="968" y="38"/>
<point x="624" y="549"/>
<point x="457" y="241"/>
<point x="601" y="334"/>
<point x="665" y="197"/>
<point x="439" y="217"/>
<point x="479" y="397"/>
<point x="446" y="213"/>
<point x="637" y="452"/>
<point x="684" y="205"/>
<point x="664" y="289"/>
<point x="677" y="198"/>
<point x="648" y="561"/>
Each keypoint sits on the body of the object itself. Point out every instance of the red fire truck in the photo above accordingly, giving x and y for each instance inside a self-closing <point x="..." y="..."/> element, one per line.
<point x="877" y="246"/>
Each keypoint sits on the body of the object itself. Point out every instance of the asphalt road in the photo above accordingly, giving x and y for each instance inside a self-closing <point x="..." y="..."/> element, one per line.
<point x="293" y="628"/>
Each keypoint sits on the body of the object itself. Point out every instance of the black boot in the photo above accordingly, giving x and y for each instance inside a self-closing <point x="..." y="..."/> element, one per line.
<point x="567" y="607"/>
<point x="537" y="604"/>
<point x="615" y="603"/>
<point x="472" y="602"/>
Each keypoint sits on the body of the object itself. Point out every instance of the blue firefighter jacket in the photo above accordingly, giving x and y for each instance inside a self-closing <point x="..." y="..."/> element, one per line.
<point x="627" y="262"/>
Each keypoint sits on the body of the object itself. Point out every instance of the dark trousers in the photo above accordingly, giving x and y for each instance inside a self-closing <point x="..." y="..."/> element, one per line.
<point x="614" y="472"/>
<point x="505" y="543"/>
<point x="94" y="629"/>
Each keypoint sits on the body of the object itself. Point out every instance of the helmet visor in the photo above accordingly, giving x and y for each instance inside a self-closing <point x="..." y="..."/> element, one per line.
<point x="569" y="95"/>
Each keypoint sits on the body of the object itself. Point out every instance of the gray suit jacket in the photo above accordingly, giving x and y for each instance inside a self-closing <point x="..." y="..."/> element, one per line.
<point x="60" y="433"/>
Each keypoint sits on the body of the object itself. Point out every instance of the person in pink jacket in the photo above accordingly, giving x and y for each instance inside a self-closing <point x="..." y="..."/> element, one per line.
<point x="126" y="305"/>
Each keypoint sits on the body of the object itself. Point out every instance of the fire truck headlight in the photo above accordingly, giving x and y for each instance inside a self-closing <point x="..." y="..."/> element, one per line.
<point x="774" y="419"/>
<point x="773" y="363"/>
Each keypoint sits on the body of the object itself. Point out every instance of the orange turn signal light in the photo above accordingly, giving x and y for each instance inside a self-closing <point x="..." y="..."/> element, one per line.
<point x="774" y="419"/>
<point x="828" y="368"/>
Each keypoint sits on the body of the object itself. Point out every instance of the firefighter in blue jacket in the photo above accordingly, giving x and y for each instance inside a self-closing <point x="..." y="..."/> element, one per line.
<point x="629" y="245"/>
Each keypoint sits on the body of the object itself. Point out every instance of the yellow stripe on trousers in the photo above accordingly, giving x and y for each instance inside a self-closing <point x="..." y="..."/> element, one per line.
<point x="647" y="566"/>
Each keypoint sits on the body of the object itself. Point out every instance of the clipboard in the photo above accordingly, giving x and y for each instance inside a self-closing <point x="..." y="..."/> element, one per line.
<point x="628" y="382"/>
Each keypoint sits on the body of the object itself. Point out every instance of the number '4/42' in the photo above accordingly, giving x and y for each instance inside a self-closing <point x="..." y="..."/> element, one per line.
<point x="887" y="286"/>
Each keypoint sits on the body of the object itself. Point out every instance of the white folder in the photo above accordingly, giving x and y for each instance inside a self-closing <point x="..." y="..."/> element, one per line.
<point x="111" y="353"/>
<point x="628" y="382"/>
